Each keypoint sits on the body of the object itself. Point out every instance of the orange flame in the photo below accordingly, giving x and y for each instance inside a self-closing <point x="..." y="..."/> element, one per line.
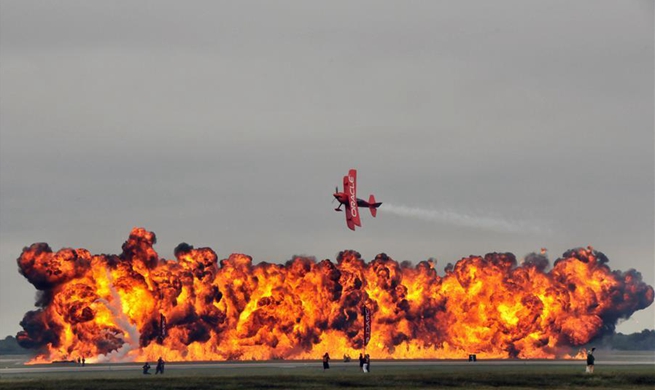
<point x="137" y="306"/>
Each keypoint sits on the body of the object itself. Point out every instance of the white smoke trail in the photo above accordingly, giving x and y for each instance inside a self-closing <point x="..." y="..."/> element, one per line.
<point x="465" y="220"/>
<point x="130" y="330"/>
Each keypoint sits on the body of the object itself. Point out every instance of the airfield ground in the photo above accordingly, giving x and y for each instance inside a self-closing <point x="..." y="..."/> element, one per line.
<point x="613" y="371"/>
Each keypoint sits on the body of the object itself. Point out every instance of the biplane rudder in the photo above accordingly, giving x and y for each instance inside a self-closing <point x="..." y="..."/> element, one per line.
<point x="373" y="206"/>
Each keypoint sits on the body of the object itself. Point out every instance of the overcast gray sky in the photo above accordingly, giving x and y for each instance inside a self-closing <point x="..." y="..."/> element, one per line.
<point x="483" y="126"/>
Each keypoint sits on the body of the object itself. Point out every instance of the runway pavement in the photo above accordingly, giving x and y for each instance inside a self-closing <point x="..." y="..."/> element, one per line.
<point x="643" y="358"/>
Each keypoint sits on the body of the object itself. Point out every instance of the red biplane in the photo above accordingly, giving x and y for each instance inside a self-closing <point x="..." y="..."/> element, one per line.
<point x="349" y="198"/>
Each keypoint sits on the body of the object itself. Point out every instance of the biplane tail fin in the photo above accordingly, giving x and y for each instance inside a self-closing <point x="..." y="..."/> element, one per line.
<point x="373" y="206"/>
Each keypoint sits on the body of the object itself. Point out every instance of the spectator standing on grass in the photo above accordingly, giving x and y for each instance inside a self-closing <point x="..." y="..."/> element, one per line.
<point x="590" y="361"/>
<point x="361" y="362"/>
<point x="83" y="361"/>
<point x="146" y="368"/>
<point x="326" y="361"/>
<point x="160" y="366"/>
<point x="367" y="363"/>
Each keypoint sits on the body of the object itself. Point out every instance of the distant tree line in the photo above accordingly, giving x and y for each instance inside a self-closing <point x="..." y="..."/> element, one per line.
<point x="9" y="346"/>
<point x="642" y="341"/>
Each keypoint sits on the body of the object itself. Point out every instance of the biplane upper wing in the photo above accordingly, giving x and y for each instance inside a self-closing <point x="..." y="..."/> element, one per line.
<point x="346" y="190"/>
<point x="350" y="188"/>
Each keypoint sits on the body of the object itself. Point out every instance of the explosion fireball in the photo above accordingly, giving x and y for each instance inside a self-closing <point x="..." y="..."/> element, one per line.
<point x="138" y="306"/>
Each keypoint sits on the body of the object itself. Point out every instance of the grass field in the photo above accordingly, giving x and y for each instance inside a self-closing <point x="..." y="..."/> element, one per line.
<point x="305" y="375"/>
